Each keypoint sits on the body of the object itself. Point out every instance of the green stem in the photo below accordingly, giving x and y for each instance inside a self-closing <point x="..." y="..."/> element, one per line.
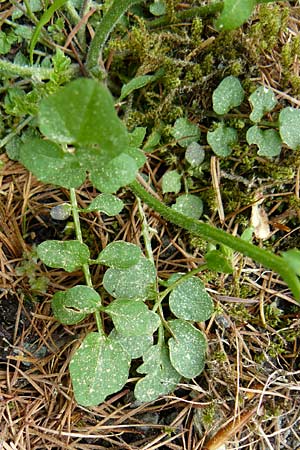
<point x="85" y="267"/>
<point x="211" y="233"/>
<point x="109" y="21"/>
<point x="38" y="73"/>
<point x="199" y="11"/>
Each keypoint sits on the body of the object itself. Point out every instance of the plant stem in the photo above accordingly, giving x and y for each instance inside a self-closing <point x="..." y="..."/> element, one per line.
<point x="85" y="267"/>
<point x="211" y="233"/>
<point x="78" y="233"/>
<point x="109" y="21"/>
<point x="38" y="73"/>
<point x="199" y="11"/>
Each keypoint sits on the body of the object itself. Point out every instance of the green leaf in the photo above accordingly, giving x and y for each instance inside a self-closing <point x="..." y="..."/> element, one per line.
<point x="190" y="205"/>
<point x="73" y="305"/>
<point x="289" y="125"/>
<point x="134" y="282"/>
<point x="82" y="113"/>
<point x="139" y="82"/>
<point x="187" y="348"/>
<point x="171" y="182"/>
<point x="190" y="301"/>
<point x="119" y="172"/>
<point x="65" y="315"/>
<point x="137" y="136"/>
<point x="234" y="14"/>
<point x="68" y="255"/>
<point x="158" y="8"/>
<point x="227" y="95"/>
<point x="194" y="154"/>
<point x="152" y="141"/>
<point x="262" y="100"/>
<point x="132" y="317"/>
<point x="61" y="212"/>
<point x="135" y="346"/>
<point x="106" y="203"/>
<point x="218" y="262"/>
<point x="185" y="132"/>
<point x="50" y="164"/>
<point x="161" y="378"/>
<point x="292" y="257"/>
<point x="268" y="141"/>
<point x="99" y="367"/>
<point x="222" y="139"/>
<point x="43" y="20"/>
<point x="120" y="255"/>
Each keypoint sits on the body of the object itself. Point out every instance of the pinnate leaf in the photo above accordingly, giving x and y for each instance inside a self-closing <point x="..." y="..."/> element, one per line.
<point x="289" y="125"/>
<point x="161" y="377"/>
<point x="133" y="282"/>
<point x="132" y="317"/>
<point x="187" y="348"/>
<point x="106" y="203"/>
<point x="227" y="95"/>
<point x="67" y="255"/>
<point x="120" y="255"/>
<point x="189" y="300"/>
<point x="99" y="367"/>
<point x="262" y="100"/>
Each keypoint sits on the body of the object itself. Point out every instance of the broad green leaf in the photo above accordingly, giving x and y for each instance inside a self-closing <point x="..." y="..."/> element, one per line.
<point x="161" y="378"/>
<point x="65" y="315"/>
<point x="132" y="317"/>
<point x="262" y="100"/>
<point x="171" y="182"/>
<point x="136" y="154"/>
<point x="234" y="14"/>
<point x="152" y="141"/>
<point x="187" y="348"/>
<point x="135" y="346"/>
<point x="50" y="164"/>
<point x="133" y="282"/>
<point x="268" y="141"/>
<point x="158" y="8"/>
<point x="227" y="95"/>
<point x="99" y="367"/>
<point x="185" y="132"/>
<point x="190" y="205"/>
<point x="43" y="20"/>
<point x="190" y="301"/>
<point x="222" y="139"/>
<point x="218" y="262"/>
<point x="82" y="113"/>
<point x="137" y="136"/>
<point x="67" y="255"/>
<point x="119" y="255"/>
<point x="292" y="257"/>
<point x="73" y="305"/>
<point x="106" y="203"/>
<point x="289" y="126"/>
<point x="61" y="212"/>
<point x="194" y="154"/>
<point x="118" y="172"/>
<point x="139" y="82"/>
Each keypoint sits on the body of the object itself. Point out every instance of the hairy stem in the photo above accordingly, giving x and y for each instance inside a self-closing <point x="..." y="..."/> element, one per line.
<point x="109" y="21"/>
<point x="211" y="233"/>
<point x="199" y="11"/>
<point x="38" y="73"/>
